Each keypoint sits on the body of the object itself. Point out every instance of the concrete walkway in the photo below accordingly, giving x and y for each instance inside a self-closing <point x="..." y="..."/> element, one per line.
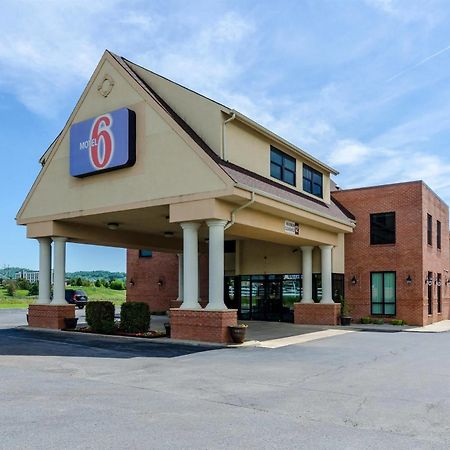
<point x="437" y="327"/>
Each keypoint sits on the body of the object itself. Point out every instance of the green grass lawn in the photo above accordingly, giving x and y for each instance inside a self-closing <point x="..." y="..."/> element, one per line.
<point x="22" y="300"/>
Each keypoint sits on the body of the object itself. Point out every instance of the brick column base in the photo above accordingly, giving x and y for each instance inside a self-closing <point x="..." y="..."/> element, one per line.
<point x="317" y="313"/>
<point x="201" y="325"/>
<point x="49" y="316"/>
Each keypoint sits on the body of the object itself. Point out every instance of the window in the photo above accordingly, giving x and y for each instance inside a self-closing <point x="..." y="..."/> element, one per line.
<point x="438" y="235"/>
<point x="382" y="228"/>
<point x="282" y="166"/>
<point x="429" y="229"/>
<point x="145" y="253"/>
<point x="312" y="181"/>
<point x="382" y="293"/>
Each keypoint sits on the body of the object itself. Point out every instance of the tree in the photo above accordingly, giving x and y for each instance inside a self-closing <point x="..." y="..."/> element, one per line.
<point x="11" y="288"/>
<point x="79" y="282"/>
<point x="117" y="285"/>
<point x="34" y="289"/>
<point x="24" y="284"/>
<point x="98" y="283"/>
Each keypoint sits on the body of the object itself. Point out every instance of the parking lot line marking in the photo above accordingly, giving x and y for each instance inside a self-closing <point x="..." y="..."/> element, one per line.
<point x="300" y="339"/>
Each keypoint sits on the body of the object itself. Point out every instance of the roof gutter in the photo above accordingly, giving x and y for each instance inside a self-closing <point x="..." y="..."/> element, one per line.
<point x="251" y="123"/>
<point x="240" y="208"/>
<point x="350" y="222"/>
<point x="224" y="135"/>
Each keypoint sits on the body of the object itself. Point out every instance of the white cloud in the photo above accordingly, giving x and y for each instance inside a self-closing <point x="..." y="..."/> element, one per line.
<point x="50" y="52"/>
<point x="350" y="152"/>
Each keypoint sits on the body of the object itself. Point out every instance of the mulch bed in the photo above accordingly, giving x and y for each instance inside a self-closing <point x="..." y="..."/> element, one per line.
<point x="147" y="335"/>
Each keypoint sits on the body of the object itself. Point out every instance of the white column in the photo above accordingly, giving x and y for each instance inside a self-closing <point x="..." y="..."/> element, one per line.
<point x="216" y="264"/>
<point x="59" y="271"/>
<point x="45" y="270"/>
<point x="327" y="296"/>
<point x="180" y="277"/>
<point x="190" y="265"/>
<point x="307" y="274"/>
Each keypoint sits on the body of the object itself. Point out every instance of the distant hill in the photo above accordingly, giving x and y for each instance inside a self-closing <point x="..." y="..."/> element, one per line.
<point x="97" y="275"/>
<point x="9" y="272"/>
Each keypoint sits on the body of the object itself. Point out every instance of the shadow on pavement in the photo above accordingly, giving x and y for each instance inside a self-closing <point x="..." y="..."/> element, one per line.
<point x="16" y="342"/>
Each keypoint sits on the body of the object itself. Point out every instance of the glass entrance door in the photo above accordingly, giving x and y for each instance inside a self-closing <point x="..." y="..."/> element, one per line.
<point x="258" y="297"/>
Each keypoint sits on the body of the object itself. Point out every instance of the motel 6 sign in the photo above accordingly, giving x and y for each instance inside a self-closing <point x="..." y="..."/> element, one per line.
<point x="103" y="143"/>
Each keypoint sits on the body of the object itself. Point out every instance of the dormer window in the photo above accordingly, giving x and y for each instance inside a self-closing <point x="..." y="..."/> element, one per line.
<point x="312" y="181"/>
<point x="282" y="166"/>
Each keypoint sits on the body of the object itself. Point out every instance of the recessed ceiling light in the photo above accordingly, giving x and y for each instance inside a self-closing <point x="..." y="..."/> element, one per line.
<point x="113" y="225"/>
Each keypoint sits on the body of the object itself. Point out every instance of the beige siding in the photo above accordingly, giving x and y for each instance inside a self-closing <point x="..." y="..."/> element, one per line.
<point x="203" y="115"/>
<point x="165" y="165"/>
<point x="250" y="149"/>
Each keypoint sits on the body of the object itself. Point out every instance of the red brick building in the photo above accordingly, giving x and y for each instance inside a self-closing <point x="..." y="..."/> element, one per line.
<point x="392" y="271"/>
<point x="397" y="258"/>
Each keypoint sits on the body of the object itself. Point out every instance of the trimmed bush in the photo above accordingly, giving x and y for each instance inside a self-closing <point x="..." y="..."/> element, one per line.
<point x="378" y="321"/>
<point x="134" y="317"/>
<point x="366" y="320"/>
<point x="100" y="316"/>
<point x="398" y="322"/>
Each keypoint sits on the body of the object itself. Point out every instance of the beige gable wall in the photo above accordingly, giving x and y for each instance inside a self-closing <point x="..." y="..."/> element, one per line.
<point x="250" y="149"/>
<point x="166" y="166"/>
<point x="200" y="113"/>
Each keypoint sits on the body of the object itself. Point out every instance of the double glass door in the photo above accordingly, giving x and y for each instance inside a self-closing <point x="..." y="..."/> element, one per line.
<point x="261" y="298"/>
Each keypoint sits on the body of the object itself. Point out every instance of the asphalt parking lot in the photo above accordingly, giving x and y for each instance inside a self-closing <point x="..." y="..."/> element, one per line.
<point x="359" y="390"/>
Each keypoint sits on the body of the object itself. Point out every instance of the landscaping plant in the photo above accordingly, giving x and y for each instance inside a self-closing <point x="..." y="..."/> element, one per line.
<point x="134" y="317"/>
<point x="100" y="316"/>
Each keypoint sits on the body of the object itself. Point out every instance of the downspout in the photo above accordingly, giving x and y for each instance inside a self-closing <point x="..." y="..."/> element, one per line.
<point x="233" y="213"/>
<point x="224" y="138"/>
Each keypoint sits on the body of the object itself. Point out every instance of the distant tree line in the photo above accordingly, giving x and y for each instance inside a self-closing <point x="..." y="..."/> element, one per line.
<point x="12" y="286"/>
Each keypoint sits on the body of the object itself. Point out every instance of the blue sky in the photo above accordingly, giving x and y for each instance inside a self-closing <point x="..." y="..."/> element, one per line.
<point x="362" y="85"/>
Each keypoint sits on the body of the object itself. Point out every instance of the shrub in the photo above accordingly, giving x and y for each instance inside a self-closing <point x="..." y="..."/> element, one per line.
<point x="378" y="321"/>
<point x="23" y="284"/>
<point x="117" y="285"/>
<point x="100" y="316"/>
<point x="135" y="317"/>
<point x="398" y="322"/>
<point x="11" y="289"/>
<point x="98" y="283"/>
<point x="366" y="320"/>
<point x="34" y="289"/>
<point x="346" y="309"/>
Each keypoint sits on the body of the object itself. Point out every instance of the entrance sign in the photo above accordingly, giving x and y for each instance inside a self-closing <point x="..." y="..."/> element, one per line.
<point x="291" y="227"/>
<point x="103" y="143"/>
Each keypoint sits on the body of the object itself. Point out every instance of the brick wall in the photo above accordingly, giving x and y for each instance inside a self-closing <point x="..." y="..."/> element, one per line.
<point x="435" y="260"/>
<point x="408" y="256"/>
<point x="201" y="325"/>
<point x="316" y="313"/>
<point x="147" y="271"/>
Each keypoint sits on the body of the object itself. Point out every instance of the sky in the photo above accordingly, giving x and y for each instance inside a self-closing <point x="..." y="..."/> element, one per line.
<point x="362" y="85"/>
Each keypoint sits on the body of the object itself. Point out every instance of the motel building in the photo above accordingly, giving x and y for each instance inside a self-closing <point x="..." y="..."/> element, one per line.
<point x="223" y="219"/>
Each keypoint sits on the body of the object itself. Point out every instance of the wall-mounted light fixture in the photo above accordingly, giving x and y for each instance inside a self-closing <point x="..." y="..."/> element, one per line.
<point x="161" y="282"/>
<point x="408" y="280"/>
<point x="429" y="281"/>
<point x="131" y="282"/>
<point x="354" y="280"/>
<point x="112" y="225"/>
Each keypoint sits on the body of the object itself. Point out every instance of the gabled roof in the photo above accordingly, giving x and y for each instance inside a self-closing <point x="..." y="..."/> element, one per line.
<point x="242" y="177"/>
<point x="246" y="177"/>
